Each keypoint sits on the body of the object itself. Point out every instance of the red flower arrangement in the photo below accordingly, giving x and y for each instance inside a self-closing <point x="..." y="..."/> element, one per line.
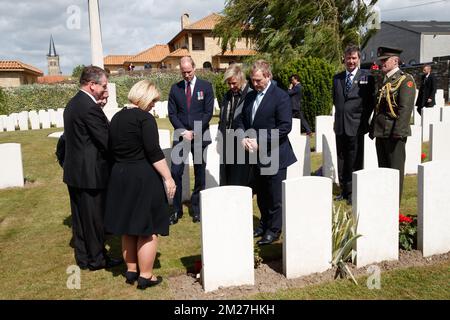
<point x="407" y="232"/>
<point x="424" y="156"/>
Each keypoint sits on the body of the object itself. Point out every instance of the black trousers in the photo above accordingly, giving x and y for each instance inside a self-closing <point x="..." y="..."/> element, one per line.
<point x="350" y="156"/>
<point x="391" y="154"/>
<point x="298" y="114"/>
<point x="199" y="184"/>
<point x="87" y="207"/>
<point x="269" y="199"/>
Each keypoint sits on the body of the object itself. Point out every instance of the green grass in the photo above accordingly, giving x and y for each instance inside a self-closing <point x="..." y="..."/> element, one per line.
<point x="35" y="234"/>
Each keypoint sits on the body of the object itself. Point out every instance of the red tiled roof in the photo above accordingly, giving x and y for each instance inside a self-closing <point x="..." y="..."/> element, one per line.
<point x="237" y="52"/>
<point x="154" y="54"/>
<point x="16" y="65"/>
<point x="207" y="23"/>
<point x="51" y="79"/>
<point x="180" y="52"/>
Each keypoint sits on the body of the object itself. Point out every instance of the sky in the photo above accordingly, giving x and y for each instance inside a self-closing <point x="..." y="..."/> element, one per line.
<point x="129" y="27"/>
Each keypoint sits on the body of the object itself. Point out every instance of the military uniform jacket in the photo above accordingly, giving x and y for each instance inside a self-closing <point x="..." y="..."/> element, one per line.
<point x="395" y="103"/>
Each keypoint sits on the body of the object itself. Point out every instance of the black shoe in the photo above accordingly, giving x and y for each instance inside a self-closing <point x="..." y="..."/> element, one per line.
<point x="349" y="201"/>
<point x="196" y="218"/>
<point x="268" y="238"/>
<point x="173" y="218"/>
<point x="131" y="277"/>
<point x="144" y="283"/>
<point x="258" y="232"/>
<point x="112" y="262"/>
<point x="340" y="197"/>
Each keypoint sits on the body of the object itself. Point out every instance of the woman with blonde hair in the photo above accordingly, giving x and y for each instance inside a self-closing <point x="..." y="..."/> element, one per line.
<point x="140" y="182"/>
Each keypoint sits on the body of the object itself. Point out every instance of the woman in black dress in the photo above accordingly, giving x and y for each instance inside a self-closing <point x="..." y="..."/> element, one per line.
<point x="136" y="203"/>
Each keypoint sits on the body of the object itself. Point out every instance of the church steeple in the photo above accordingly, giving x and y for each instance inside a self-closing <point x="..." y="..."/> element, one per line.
<point x="53" y="59"/>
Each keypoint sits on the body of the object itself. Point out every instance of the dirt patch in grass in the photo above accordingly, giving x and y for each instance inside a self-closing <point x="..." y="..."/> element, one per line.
<point x="269" y="278"/>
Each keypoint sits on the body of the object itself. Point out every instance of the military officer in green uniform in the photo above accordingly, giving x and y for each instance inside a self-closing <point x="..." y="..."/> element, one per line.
<point x="394" y="106"/>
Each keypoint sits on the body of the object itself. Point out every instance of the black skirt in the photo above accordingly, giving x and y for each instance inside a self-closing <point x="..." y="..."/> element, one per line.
<point x="136" y="202"/>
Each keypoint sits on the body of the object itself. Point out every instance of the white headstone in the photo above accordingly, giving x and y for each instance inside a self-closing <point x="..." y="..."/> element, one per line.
<point x="44" y="119"/>
<point x="227" y="237"/>
<point x="302" y="150"/>
<point x="433" y="216"/>
<point x="370" y="153"/>
<point x="3" y="120"/>
<point x="110" y="112"/>
<point x="440" y="141"/>
<point x="213" y="129"/>
<point x="10" y="124"/>
<point x="439" y="98"/>
<point x="307" y="243"/>
<point x="212" y="171"/>
<point x="23" y="120"/>
<point x="413" y="150"/>
<point x="59" y="118"/>
<point x="375" y="198"/>
<point x="112" y="97"/>
<point x="324" y="126"/>
<point x="429" y="116"/>
<point x="216" y="105"/>
<point x="34" y="120"/>
<point x="329" y="158"/>
<point x="417" y="118"/>
<point x="55" y="134"/>
<point x="52" y="115"/>
<point x="185" y="180"/>
<point x="11" y="169"/>
<point x="296" y="126"/>
<point x="15" y="118"/>
<point x="445" y="114"/>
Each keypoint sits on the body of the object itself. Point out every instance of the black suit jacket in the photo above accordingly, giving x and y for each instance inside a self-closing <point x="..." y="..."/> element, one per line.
<point x="296" y="97"/>
<point x="201" y="109"/>
<point x="427" y="90"/>
<point x="87" y="162"/>
<point x="274" y="112"/>
<point x="353" y="110"/>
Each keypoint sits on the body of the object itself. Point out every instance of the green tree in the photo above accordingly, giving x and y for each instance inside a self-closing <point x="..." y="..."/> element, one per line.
<point x="76" y="73"/>
<point x="3" y="103"/>
<point x="308" y="28"/>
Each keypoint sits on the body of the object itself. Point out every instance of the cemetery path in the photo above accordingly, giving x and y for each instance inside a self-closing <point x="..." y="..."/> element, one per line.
<point x="269" y="278"/>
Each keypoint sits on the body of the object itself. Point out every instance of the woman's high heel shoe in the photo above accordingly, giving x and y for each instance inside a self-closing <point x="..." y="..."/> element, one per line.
<point x="131" y="277"/>
<point x="144" y="283"/>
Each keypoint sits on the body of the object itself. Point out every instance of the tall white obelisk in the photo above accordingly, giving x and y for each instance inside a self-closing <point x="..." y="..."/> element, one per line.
<point x="97" y="54"/>
<point x="96" y="34"/>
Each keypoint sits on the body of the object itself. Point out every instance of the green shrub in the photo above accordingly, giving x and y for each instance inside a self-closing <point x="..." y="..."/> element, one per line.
<point x="45" y="96"/>
<point x="316" y="78"/>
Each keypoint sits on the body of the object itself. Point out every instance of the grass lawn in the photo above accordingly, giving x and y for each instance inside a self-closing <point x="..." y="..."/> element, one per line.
<point x="35" y="234"/>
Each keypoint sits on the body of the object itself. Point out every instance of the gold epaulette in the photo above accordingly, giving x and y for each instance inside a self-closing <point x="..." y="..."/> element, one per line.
<point x="386" y="91"/>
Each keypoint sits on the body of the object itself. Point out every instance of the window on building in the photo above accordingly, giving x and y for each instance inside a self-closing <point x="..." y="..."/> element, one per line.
<point x="198" y="42"/>
<point x="207" y="65"/>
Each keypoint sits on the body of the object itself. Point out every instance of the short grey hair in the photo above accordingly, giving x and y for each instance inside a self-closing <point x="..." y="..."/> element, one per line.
<point x="92" y="73"/>
<point x="235" y="71"/>
<point x="263" y="66"/>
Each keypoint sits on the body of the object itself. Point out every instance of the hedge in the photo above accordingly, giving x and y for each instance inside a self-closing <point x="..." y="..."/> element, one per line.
<point x="53" y="96"/>
<point x="316" y="78"/>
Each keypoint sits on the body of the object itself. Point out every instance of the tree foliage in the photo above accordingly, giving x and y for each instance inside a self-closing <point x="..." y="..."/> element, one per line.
<point x="76" y="73"/>
<point x="320" y="28"/>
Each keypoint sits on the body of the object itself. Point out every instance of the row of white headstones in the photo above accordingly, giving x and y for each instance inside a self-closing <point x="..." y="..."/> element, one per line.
<point x="45" y="119"/>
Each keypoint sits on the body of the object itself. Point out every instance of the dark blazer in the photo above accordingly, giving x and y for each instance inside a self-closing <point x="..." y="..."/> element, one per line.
<point x="427" y="90"/>
<point x="274" y="112"/>
<point x="201" y="109"/>
<point x="86" y="163"/>
<point x="296" y="97"/>
<point x="353" y="110"/>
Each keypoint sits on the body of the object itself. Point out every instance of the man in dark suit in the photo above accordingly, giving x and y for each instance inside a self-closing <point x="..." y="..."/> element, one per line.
<point x="295" y="92"/>
<point x="353" y="99"/>
<point x="267" y="120"/>
<point x="191" y="104"/>
<point x="427" y="90"/>
<point x="233" y="170"/>
<point x="86" y="168"/>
